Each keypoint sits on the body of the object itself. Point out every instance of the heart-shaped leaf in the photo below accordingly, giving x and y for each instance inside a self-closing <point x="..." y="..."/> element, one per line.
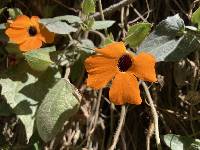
<point x="14" y="12"/>
<point x="23" y="89"/>
<point x="59" y="105"/>
<point x="196" y="17"/>
<point x="137" y="33"/>
<point x="169" y="41"/>
<point x="39" y="59"/>
<point x="60" y="27"/>
<point x="88" y="6"/>
<point x="99" y="25"/>
<point x="177" y="142"/>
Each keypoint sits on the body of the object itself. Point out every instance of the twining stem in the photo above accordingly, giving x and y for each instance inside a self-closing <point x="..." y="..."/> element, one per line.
<point x="97" y="110"/>
<point x="101" y="10"/>
<point x="154" y="114"/>
<point x="93" y="124"/>
<point x="119" y="128"/>
<point x="149" y="134"/>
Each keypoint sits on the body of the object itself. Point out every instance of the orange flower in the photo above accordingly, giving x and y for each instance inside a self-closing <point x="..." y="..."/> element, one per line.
<point x="115" y="62"/>
<point x="28" y="33"/>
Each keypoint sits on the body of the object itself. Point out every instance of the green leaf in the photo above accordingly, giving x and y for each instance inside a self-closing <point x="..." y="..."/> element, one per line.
<point x="58" y="106"/>
<point x="23" y="89"/>
<point x="86" y="49"/>
<point x="60" y="27"/>
<point x="2" y="26"/>
<point x="87" y="46"/>
<point x="2" y="9"/>
<point x="12" y="48"/>
<point x="177" y="142"/>
<point x="196" y="17"/>
<point x="78" y="68"/>
<point x="14" y="12"/>
<point x="5" y="109"/>
<point x="69" y="18"/>
<point x="108" y="40"/>
<point x="171" y="26"/>
<point x="137" y="33"/>
<point x="88" y="6"/>
<point x="39" y="59"/>
<point x="99" y="25"/>
<point x="3" y="37"/>
<point x="168" y="42"/>
<point x="87" y="25"/>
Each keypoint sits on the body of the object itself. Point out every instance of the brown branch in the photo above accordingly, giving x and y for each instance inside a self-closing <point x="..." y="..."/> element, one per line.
<point x="112" y="8"/>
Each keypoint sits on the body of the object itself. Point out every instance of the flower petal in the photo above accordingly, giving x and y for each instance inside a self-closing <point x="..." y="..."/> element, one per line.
<point x="144" y="67"/>
<point x="45" y="35"/>
<point x="21" y="22"/>
<point x="35" y="19"/>
<point x="125" y="89"/>
<point x="35" y="22"/>
<point x="113" y="50"/>
<point x="17" y="35"/>
<point x="100" y="70"/>
<point x="30" y="44"/>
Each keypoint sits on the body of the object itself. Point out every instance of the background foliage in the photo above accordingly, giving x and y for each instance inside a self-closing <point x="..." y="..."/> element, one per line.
<point x="45" y="103"/>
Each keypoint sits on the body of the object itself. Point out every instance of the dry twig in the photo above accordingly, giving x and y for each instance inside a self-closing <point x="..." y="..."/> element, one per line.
<point x="154" y="114"/>
<point x="113" y="8"/>
<point x="119" y="128"/>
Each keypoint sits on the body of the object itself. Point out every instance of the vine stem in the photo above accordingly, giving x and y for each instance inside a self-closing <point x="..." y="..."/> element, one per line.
<point x="93" y="124"/>
<point x="119" y="128"/>
<point x="154" y="114"/>
<point x="102" y="15"/>
<point x="149" y="134"/>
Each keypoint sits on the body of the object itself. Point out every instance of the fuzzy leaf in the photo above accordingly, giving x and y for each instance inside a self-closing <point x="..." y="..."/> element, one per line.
<point x="173" y="25"/>
<point x="99" y="25"/>
<point x="12" y="48"/>
<point x="14" y="12"/>
<point x="23" y="89"/>
<point x="70" y="19"/>
<point x="109" y="39"/>
<point x="3" y="37"/>
<point x="39" y="59"/>
<point x="88" y="6"/>
<point x="58" y="106"/>
<point x="2" y="9"/>
<point x="5" y="109"/>
<point x="196" y="17"/>
<point x="177" y="142"/>
<point x="87" y="25"/>
<point x="2" y="26"/>
<point x="87" y="46"/>
<point x="78" y="68"/>
<point x="60" y="27"/>
<point x="168" y="42"/>
<point x="137" y="33"/>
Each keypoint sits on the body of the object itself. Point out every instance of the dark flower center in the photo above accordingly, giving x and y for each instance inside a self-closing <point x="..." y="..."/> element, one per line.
<point x="124" y="63"/>
<point x="32" y="31"/>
